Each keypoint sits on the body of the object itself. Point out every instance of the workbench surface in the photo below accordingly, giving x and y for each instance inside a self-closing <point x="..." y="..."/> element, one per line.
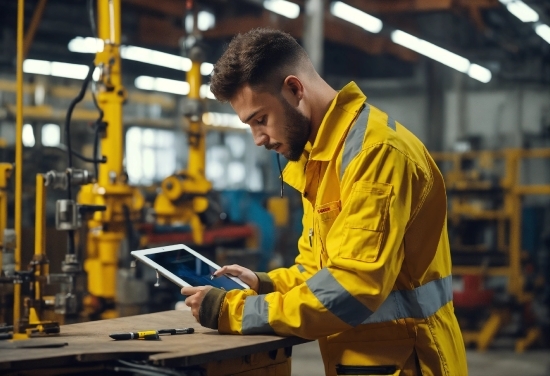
<point x="90" y="342"/>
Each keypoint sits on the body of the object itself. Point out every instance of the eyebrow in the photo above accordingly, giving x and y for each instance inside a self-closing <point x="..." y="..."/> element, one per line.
<point x="251" y="116"/>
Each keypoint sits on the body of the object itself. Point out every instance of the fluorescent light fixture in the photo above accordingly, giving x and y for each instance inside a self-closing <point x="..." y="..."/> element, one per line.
<point x="28" y="136"/>
<point x="37" y="67"/>
<point x="543" y="31"/>
<point x="162" y="84"/>
<point x="170" y="86"/>
<point x="143" y="55"/>
<point x="479" y="73"/>
<point x="218" y="119"/>
<point x="431" y="50"/>
<point x="76" y="71"/>
<point x="283" y="7"/>
<point x="521" y="10"/>
<point x="86" y="45"/>
<point x="206" y="20"/>
<point x="441" y="55"/>
<point x="356" y="16"/>
<point x="206" y="93"/>
<point x="163" y="59"/>
<point x="206" y="69"/>
<point x="56" y="68"/>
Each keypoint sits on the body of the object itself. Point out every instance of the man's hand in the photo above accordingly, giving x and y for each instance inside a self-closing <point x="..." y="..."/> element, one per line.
<point x="244" y="274"/>
<point x="195" y="296"/>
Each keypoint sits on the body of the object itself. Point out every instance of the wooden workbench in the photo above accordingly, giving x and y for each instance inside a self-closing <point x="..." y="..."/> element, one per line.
<point x="206" y="351"/>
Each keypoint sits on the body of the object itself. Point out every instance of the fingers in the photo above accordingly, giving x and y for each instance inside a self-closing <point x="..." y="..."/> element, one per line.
<point x="234" y="270"/>
<point x="189" y="290"/>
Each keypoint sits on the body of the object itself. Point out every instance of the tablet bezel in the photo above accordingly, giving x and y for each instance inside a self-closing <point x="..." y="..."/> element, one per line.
<point x="141" y="255"/>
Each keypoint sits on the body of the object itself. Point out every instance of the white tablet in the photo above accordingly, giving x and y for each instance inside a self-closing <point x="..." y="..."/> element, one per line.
<point x="185" y="267"/>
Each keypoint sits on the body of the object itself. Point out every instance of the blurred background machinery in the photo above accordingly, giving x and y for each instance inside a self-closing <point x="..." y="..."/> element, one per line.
<point x="122" y="86"/>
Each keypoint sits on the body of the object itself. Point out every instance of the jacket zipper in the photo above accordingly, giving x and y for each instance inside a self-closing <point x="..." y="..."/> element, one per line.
<point x="310" y="236"/>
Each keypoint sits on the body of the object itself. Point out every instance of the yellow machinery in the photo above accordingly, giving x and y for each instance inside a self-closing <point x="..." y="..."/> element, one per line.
<point x="485" y="188"/>
<point x="107" y="229"/>
<point x="183" y="195"/>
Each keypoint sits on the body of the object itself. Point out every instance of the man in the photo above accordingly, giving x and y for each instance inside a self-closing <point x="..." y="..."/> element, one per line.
<point x="372" y="280"/>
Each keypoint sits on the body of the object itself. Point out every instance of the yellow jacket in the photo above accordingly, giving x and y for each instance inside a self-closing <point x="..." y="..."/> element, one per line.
<point x="372" y="281"/>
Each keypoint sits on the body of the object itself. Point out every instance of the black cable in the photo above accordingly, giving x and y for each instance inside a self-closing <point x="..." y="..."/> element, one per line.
<point x="97" y="128"/>
<point x="89" y="160"/>
<point x="281" y="172"/>
<point x="70" y="110"/>
<point x="74" y="102"/>
<point x="91" y="15"/>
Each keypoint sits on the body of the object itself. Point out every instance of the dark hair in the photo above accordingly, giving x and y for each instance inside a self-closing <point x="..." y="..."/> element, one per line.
<point x="260" y="58"/>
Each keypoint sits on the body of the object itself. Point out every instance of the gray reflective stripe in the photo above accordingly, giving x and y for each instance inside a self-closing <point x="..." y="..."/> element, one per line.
<point x="255" y="316"/>
<point x="419" y="303"/>
<point x="354" y="139"/>
<point x="337" y="299"/>
<point x="391" y="123"/>
<point x="301" y="268"/>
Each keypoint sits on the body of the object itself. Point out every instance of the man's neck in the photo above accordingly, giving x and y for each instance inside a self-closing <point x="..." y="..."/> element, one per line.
<point x="324" y="95"/>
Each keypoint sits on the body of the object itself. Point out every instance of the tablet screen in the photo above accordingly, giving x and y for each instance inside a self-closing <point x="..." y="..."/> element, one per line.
<point x="191" y="269"/>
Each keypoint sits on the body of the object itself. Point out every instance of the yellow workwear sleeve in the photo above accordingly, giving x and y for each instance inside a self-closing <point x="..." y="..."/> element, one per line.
<point x="381" y="189"/>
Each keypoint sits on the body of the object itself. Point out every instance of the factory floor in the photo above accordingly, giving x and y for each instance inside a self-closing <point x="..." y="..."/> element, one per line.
<point x="306" y="361"/>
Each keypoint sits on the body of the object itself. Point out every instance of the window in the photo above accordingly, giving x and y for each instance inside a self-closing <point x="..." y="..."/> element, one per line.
<point x="28" y="136"/>
<point x="150" y="155"/>
<point x="51" y="135"/>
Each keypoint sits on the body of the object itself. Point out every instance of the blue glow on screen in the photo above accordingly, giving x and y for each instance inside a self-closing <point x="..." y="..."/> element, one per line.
<point x="191" y="269"/>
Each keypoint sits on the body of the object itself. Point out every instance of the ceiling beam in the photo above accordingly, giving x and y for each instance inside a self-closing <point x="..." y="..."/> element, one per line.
<point x="403" y="6"/>
<point x="174" y="8"/>
<point x="154" y="31"/>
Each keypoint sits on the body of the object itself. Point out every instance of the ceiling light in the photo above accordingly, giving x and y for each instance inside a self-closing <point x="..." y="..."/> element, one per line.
<point x="430" y="50"/>
<point x="356" y="16"/>
<point x="521" y="10"/>
<point x="441" y="55"/>
<point x="218" y="119"/>
<point x="543" y="31"/>
<point x="56" y="68"/>
<point x="206" y="69"/>
<point x="283" y="7"/>
<point x="37" y="67"/>
<point x="163" y="59"/>
<point x="67" y="70"/>
<point x="206" y="93"/>
<point x="86" y="45"/>
<point x="143" y="55"/>
<point x="479" y="73"/>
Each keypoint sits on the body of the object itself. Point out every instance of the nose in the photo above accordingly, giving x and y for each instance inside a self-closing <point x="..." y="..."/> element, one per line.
<point x="260" y="138"/>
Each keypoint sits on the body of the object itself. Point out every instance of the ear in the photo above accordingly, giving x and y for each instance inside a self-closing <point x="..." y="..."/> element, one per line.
<point x="293" y="90"/>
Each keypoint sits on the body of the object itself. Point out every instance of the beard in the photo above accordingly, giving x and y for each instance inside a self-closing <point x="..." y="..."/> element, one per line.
<point x="297" y="129"/>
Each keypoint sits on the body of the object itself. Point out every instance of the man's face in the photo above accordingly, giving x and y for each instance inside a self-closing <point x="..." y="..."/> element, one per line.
<point x="274" y="123"/>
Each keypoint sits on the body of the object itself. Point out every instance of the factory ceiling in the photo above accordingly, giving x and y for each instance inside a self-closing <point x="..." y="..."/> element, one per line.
<point x="483" y="31"/>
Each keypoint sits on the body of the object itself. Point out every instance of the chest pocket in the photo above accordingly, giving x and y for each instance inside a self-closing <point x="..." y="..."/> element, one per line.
<point x="366" y="221"/>
<point x="326" y="215"/>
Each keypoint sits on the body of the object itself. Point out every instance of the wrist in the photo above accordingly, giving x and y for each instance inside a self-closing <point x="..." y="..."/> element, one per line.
<point x="265" y="283"/>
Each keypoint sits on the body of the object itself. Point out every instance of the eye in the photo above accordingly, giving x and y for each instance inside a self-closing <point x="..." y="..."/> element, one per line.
<point x="261" y="121"/>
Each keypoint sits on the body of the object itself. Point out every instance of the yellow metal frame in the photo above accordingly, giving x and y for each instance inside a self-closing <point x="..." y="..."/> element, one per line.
<point x="514" y="191"/>
<point x="18" y="162"/>
<point x="183" y="195"/>
<point x="107" y="228"/>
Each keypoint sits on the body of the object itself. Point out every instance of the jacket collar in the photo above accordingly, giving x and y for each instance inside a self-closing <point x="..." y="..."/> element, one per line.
<point x="337" y="120"/>
<point x="342" y="111"/>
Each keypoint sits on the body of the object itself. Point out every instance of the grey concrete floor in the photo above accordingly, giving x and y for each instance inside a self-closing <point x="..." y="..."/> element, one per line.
<point x="306" y="361"/>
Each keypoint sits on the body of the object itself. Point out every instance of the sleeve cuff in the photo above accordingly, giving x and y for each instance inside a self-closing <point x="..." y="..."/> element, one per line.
<point x="265" y="283"/>
<point x="209" y="310"/>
